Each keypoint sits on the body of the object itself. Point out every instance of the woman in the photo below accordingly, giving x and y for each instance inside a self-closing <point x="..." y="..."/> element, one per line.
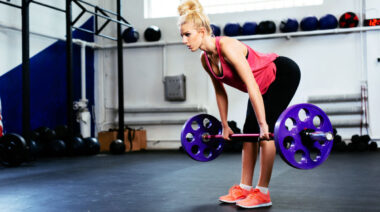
<point x="270" y="81"/>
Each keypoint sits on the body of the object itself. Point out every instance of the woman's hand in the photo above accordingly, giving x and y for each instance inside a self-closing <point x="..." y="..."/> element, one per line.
<point x="264" y="134"/>
<point x="227" y="132"/>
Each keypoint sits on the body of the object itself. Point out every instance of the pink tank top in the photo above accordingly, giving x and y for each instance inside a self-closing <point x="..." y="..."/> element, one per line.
<point x="262" y="66"/>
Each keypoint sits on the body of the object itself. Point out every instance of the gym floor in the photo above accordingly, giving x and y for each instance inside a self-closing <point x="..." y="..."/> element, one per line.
<point x="171" y="181"/>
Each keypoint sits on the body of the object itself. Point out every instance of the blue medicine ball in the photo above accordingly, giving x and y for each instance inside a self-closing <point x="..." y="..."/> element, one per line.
<point x="328" y="22"/>
<point x="289" y="25"/>
<point x="232" y="29"/>
<point x="249" y="28"/>
<point x="309" y="23"/>
<point x="215" y="30"/>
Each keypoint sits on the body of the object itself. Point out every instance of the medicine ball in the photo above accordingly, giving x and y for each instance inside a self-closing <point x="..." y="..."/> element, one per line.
<point x="215" y="30"/>
<point x="130" y="35"/>
<point x="57" y="148"/>
<point x="75" y="146"/>
<point x="309" y="23"/>
<point x="117" y="147"/>
<point x="232" y="29"/>
<point x="348" y="20"/>
<point x="152" y="33"/>
<point x="249" y="28"/>
<point x="328" y="22"/>
<point x="62" y="132"/>
<point x="289" y="25"/>
<point x="92" y="146"/>
<point x="266" y="27"/>
<point x="45" y="134"/>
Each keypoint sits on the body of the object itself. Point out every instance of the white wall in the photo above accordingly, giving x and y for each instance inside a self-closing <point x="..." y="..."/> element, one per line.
<point x="330" y="64"/>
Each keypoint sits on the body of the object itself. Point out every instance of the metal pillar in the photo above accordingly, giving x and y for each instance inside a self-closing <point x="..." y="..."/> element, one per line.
<point x="69" y="66"/>
<point x="120" y="73"/>
<point x="25" y="71"/>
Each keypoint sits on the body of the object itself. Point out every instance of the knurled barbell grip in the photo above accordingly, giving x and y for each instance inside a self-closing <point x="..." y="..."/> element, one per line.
<point x="249" y="137"/>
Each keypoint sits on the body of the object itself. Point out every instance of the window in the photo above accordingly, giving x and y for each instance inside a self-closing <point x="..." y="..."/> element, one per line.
<point x="168" y="8"/>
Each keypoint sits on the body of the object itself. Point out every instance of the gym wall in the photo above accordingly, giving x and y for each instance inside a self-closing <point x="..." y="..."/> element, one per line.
<point x="330" y="64"/>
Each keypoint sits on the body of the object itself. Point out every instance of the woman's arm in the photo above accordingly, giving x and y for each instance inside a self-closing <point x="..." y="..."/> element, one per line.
<point x="221" y="99"/>
<point x="234" y="53"/>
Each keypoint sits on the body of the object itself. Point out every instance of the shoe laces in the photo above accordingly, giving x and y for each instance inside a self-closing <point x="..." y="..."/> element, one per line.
<point x="236" y="190"/>
<point x="254" y="194"/>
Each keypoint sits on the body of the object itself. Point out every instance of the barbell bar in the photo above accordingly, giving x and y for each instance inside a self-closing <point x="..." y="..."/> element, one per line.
<point x="303" y="136"/>
<point x="316" y="136"/>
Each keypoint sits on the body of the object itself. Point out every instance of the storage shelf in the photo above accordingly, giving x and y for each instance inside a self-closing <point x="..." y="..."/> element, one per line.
<point x="258" y="37"/>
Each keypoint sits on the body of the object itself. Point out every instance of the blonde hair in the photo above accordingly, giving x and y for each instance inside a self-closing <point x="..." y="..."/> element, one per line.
<point x="191" y="11"/>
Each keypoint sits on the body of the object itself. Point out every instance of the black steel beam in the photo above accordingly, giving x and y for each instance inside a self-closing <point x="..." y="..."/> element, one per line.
<point x="119" y="21"/>
<point x="103" y="10"/>
<point x="10" y="4"/>
<point x="25" y="71"/>
<point x="91" y="32"/>
<point x="69" y="68"/>
<point x="98" y="30"/>
<point x="120" y="73"/>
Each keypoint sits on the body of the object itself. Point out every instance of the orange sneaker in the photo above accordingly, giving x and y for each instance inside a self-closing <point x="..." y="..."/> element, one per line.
<point x="255" y="199"/>
<point x="235" y="194"/>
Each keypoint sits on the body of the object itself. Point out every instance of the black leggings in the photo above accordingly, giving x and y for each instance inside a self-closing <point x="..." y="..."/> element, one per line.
<point x="278" y="95"/>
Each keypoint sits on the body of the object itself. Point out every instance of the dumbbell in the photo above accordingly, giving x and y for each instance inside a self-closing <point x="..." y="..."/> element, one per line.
<point x="303" y="142"/>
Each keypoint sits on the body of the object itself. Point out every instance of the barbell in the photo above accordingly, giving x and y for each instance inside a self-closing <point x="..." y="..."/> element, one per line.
<point x="303" y="136"/>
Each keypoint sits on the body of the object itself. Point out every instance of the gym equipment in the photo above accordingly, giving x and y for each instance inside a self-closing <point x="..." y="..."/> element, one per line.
<point x="309" y="23"/>
<point x="57" y="148"/>
<point x="215" y="30"/>
<point x="359" y="143"/>
<point x="372" y="146"/>
<point x="249" y="28"/>
<point x="232" y="29"/>
<point x="266" y="27"/>
<point x="92" y="146"/>
<point x="62" y="132"/>
<point x="328" y="22"/>
<point x="348" y="20"/>
<point x="75" y="146"/>
<point x="1" y="122"/>
<point x="117" y="147"/>
<point x="13" y="149"/>
<point x="233" y="146"/>
<point x="130" y="35"/>
<point x="289" y="25"/>
<point x="303" y="135"/>
<point x="152" y="33"/>
<point x="36" y="149"/>
<point x="45" y="134"/>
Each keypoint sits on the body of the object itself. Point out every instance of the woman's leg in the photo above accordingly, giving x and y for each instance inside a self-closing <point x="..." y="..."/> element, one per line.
<point x="248" y="161"/>
<point x="267" y="155"/>
<point x="277" y="98"/>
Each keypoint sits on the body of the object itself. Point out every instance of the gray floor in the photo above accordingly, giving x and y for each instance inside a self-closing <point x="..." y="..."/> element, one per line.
<point x="171" y="181"/>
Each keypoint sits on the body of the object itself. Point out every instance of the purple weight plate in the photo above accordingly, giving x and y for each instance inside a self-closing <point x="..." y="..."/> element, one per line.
<point x="289" y="143"/>
<point x="191" y="137"/>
